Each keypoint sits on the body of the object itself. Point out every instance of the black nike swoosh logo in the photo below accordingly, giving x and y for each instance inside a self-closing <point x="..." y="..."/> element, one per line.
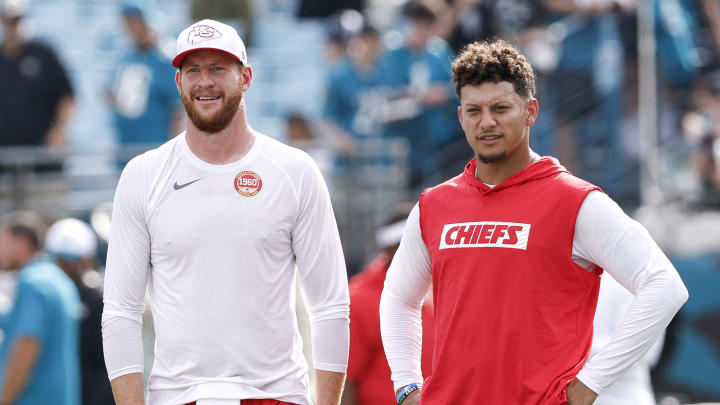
<point x="177" y="186"/>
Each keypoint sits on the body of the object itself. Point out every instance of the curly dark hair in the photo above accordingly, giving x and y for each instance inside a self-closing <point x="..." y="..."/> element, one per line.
<point x="493" y="61"/>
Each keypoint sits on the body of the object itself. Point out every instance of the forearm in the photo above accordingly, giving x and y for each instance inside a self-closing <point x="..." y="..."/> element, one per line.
<point x="578" y="7"/>
<point x="349" y="394"/>
<point x="579" y="394"/>
<point x="128" y="389"/>
<point x="21" y="361"/>
<point x="330" y="342"/>
<point x="406" y="284"/>
<point x="328" y="387"/>
<point x="401" y="329"/>
<point x="122" y="344"/>
<point x="56" y="134"/>
<point x="654" y="305"/>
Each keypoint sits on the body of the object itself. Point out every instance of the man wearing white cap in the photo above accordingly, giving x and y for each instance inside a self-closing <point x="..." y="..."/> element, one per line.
<point x="39" y="346"/>
<point x="218" y="219"/>
<point x="72" y="245"/>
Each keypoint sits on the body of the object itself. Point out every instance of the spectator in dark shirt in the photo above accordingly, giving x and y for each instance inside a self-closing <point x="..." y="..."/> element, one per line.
<point x="72" y="245"/>
<point x="36" y="97"/>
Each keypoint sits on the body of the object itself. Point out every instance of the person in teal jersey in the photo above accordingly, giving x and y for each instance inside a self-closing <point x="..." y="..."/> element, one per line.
<point x="354" y="85"/>
<point x="144" y="97"/>
<point x="420" y="74"/>
<point x="39" y="359"/>
<point x="585" y="97"/>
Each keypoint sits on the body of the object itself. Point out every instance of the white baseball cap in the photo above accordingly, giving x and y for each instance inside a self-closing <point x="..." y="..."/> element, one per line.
<point x="209" y="34"/>
<point x="72" y="239"/>
<point x="14" y="8"/>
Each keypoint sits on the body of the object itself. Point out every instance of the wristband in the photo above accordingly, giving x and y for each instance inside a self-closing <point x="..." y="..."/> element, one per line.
<point x="405" y="392"/>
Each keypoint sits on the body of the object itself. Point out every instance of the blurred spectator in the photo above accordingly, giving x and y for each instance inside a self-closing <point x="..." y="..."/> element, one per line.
<point x="324" y="8"/>
<point x="144" y="97"/>
<point x="39" y="353"/>
<point x="368" y="374"/>
<point x="341" y="27"/>
<point x="587" y="88"/>
<point x="36" y="96"/>
<point x="72" y="245"/>
<point x="424" y="108"/>
<point x="711" y="14"/>
<point x="464" y="21"/>
<point x="351" y="99"/>
<point x="634" y="387"/>
<point x="676" y="24"/>
<point x="701" y="128"/>
<point x="301" y="135"/>
<point x="236" y="13"/>
<point x="706" y="163"/>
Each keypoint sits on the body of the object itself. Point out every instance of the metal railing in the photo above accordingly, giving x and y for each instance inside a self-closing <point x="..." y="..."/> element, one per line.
<point x="56" y="184"/>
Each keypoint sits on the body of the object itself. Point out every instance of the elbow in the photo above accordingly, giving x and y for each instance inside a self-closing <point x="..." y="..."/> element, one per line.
<point x="676" y="293"/>
<point x="385" y="302"/>
<point x="682" y="294"/>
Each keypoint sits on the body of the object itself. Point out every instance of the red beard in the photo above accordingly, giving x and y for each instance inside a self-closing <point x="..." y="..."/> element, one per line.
<point x="218" y="121"/>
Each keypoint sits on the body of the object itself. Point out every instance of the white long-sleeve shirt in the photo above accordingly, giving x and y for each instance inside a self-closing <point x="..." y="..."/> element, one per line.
<point x="604" y="236"/>
<point x="218" y="246"/>
<point x="634" y="386"/>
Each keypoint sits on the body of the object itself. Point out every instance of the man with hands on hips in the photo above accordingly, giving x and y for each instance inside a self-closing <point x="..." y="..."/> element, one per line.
<point x="514" y="247"/>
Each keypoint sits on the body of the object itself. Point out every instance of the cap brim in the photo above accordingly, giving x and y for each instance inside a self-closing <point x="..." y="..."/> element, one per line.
<point x="178" y="60"/>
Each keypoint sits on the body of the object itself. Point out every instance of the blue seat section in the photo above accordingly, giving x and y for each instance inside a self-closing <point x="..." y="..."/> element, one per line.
<point x="695" y="363"/>
<point x="89" y="37"/>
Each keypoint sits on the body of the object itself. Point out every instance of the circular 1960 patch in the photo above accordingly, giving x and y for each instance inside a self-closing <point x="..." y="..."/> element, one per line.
<point x="248" y="183"/>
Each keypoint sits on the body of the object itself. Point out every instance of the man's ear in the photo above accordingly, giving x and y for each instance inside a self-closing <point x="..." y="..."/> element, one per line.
<point x="532" y="110"/>
<point x="177" y="81"/>
<point x="247" y="75"/>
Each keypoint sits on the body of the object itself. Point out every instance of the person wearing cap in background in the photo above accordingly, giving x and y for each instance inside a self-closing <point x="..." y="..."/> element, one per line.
<point x="36" y="96"/>
<point x="353" y="85"/>
<point x="39" y="353"/>
<point x="419" y="76"/>
<point x="368" y="380"/>
<point x="72" y="245"/>
<point x="219" y="218"/>
<point x="143" y="95"/>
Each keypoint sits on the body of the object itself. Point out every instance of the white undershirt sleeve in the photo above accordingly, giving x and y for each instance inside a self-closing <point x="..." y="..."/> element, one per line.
<point x="322" y="274"/>
<point x="406" y="284"/>
<point x="126" y="275"/>
<point x="607" y="237"/>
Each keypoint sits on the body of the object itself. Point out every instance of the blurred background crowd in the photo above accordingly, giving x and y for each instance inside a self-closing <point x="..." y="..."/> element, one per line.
<point x="629" y="95"/>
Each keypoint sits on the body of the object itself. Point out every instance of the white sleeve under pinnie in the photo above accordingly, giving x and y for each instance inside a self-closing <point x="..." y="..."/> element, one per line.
<point x="607" y="237"/>
<point x="406" y="285"/>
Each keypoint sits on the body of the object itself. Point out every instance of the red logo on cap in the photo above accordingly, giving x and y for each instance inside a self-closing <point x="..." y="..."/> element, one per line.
<point x="202" y="33"/>
<point x="248" y="183"/>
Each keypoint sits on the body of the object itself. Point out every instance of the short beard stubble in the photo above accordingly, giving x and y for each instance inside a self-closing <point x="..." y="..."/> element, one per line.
<point x="492" y="158"/>
<point x="218" y="121"/>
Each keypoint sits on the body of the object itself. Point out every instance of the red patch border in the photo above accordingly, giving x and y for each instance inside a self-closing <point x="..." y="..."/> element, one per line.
<point x="252" y="173"/>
